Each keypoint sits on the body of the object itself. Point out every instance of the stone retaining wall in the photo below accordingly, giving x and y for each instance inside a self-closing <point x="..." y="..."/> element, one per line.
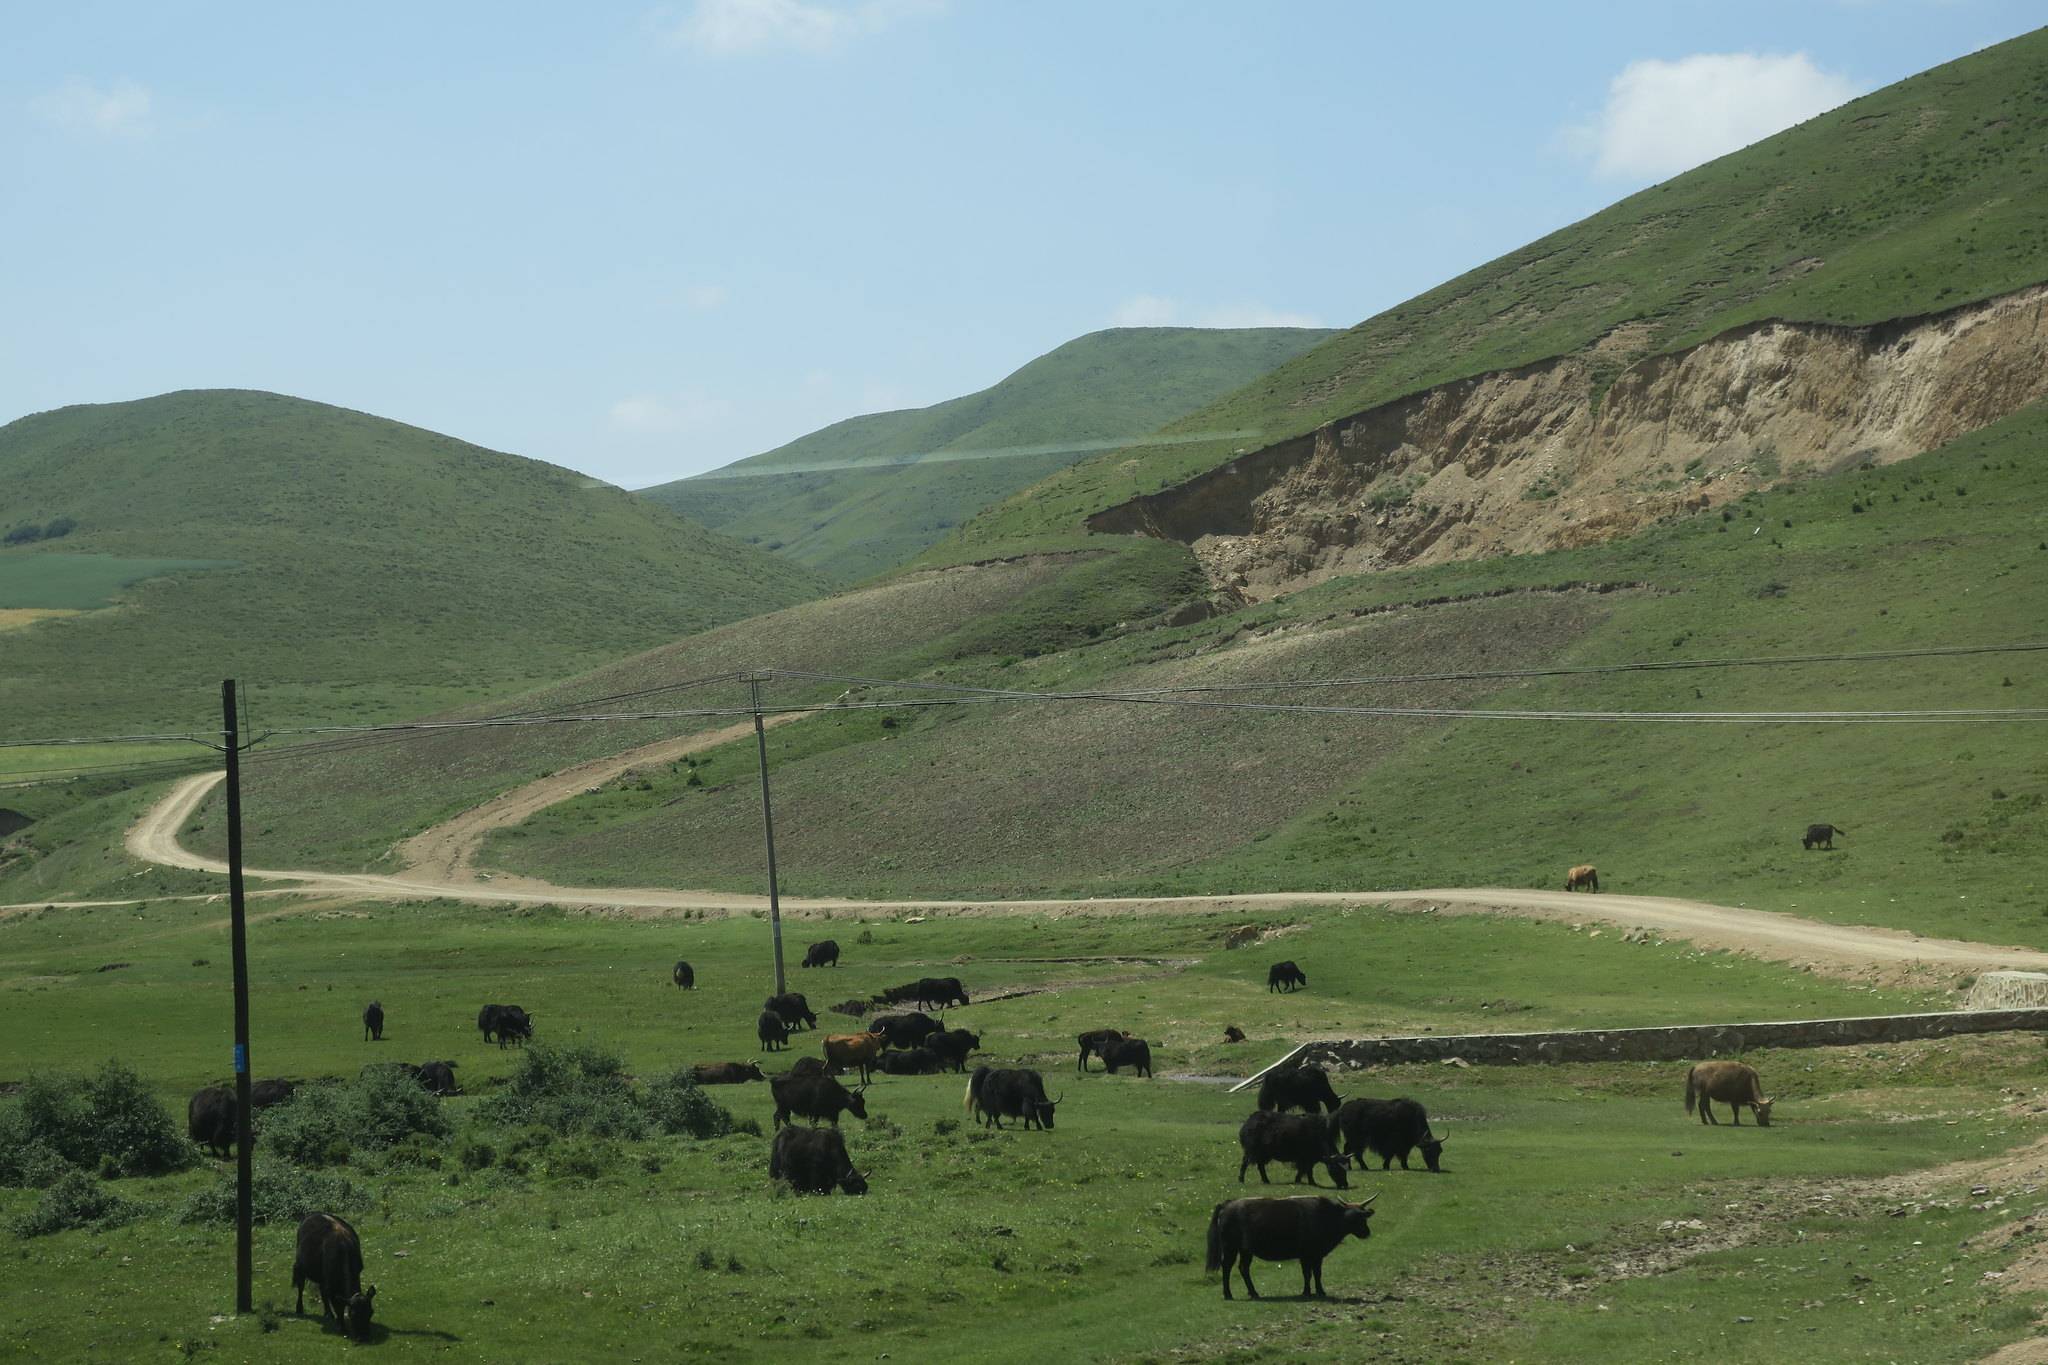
<point x="1686" y="1042"/>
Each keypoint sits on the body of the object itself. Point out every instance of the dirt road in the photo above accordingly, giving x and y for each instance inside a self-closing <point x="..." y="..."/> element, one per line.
<point x="448" y="871"/>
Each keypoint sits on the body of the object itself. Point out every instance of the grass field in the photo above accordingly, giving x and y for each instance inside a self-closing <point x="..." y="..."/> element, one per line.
<point x="378" y="569"/>
<point x="868" y="493"/>
<point x="1560" y="1230"/>
<point x="1917" y="197"/>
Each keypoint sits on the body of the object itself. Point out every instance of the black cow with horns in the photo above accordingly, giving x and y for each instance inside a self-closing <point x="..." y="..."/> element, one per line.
<point x="1305" y="1228"/>
<point x="1300" y="1140"/>
<point x="994" y="1095"/>
<point x="814" y="1161"/>
<point x="1390" y="1130"/>
<point x="1298" y="1087"/>
<point x="821" y="1099"/>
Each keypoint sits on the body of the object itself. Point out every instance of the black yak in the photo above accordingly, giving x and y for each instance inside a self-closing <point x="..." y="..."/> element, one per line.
<point x="1305" y="1228"/>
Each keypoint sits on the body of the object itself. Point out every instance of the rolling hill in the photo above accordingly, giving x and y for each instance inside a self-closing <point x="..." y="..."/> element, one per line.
<point x="341" y="564"/>
<point x="1910" y="202"/>
<point x="865" y="494"/>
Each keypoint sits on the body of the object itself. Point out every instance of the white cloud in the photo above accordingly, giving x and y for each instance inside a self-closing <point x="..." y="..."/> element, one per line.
<point x="671" y="414"/>
<point x="122" y="109"/>
<point x="1154" y="310"/>
<point x="730" y="28"/>
<point x="703" y="298"/>
<point x="1665" y="117"/>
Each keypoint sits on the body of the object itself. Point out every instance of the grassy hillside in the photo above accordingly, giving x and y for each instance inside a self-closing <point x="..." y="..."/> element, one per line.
<point x="865" y="494"/>
<point x="341" y="564"/>
<point x="1921" y="196"/>
<point x="1845" y="1232"/>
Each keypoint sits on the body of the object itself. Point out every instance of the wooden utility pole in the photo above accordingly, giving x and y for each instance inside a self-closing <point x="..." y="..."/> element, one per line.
<point x="238" y="937"/>
<point x="768" y="829"/>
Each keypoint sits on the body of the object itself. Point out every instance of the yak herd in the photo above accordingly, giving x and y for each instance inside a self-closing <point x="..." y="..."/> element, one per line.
<point x="1300" y="1122"/>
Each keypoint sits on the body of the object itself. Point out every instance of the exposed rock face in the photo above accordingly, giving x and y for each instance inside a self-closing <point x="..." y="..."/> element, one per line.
<point x="1533" y="459"/>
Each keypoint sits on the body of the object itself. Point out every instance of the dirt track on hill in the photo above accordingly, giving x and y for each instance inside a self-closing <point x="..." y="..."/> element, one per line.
<point x="1838" y="949"/>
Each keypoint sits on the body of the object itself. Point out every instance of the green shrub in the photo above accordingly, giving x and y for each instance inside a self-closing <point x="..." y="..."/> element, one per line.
<point x="475" y="1154"/>
<point x="76" y="1201"/>
<point x="582" y="1158"/>
<point x="325" y="1125"/>
<point x="309" y="1129"/>
<point x="387" y="1107"/>
<point x="677" y="1104"/>
<point x="109" y="1122"/>
<point x="575" y="1088"/>
<point x="283" y="1194"/>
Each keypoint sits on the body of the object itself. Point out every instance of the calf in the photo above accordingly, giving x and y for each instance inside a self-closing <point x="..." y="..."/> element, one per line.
<point x="994" y="1095"/>
<point x="331" y="1256"/>
<point x="1232" y="1034"/>
<point x="373" y="1022"/>
<point x="1300" y="1140"/>
<point x="438" y="1078"/>
<point x="1390" y="1130"/>
<point x="918" y="1061"/>
<point x="1134" y="1053"/>
<point x="1820" y="836"/>
<point x="1734" y="1084"/>
<point x="821" y="1099"/>
<point x="505" y="1024"/>
<point x="1306" y="1228"/>
<point x="794" y="1009"/>
<point x="814" y="1161"/>
<point x="1285" y="976"/>
<point x="857" y="1050"/>
<point x="1094" y="1041"/>
<point x="685" y="977"/>
<point x="1584" y="877"/>
<point x="1298" y="1087"/>
<point x="952" y="1046"/>
<point x="727" y="1073"/>
<point x="821" y="954"/>
<point x="773" y="1030"/>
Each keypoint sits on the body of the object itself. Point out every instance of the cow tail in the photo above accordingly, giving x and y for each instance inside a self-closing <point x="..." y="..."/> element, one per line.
<point x="967" y="1100"/>
<point x="1215" y="1261"/>
<point x="1688" y="1092"/>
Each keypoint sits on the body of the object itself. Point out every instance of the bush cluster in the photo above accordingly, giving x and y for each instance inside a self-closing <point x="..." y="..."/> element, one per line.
<point x="325" y="1125"/>
<point x="28" y="533"/>
<point x="282" y="1193"/>
<point x="77" y="1200"/>
<point x="109" y="1123"/>
<point x="582" y="1090"/>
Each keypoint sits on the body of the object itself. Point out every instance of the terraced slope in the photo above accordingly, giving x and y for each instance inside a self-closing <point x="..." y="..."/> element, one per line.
<point x="358" y="566"/>
<point x="863" y="495"/>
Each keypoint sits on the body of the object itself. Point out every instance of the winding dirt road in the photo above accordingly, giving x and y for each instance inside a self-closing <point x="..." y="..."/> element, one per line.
<point x="443" y="864"/>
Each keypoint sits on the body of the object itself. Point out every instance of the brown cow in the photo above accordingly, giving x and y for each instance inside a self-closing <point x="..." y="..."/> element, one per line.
<point x="853" y="1049"/>
<point x="1584" y="877"/>
<point x="1734" y="1084"/>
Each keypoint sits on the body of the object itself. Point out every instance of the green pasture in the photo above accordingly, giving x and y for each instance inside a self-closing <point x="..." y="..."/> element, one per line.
<point x="82" y="582"/>
<point x="1084" y="1242"/>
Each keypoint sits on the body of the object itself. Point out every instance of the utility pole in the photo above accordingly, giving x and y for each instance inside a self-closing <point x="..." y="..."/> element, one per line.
<point x="768" y="829"/>
<point x="238" y="934"/>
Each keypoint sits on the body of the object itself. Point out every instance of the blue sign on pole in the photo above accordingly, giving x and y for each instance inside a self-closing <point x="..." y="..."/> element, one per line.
<point x="241" y="1059"/>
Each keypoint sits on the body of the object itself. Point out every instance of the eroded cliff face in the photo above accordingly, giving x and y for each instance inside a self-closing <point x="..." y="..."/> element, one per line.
<point x="1526" y="460"/>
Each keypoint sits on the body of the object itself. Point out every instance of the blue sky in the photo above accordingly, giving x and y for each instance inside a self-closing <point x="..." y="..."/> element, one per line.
<point x="643" y="242"/>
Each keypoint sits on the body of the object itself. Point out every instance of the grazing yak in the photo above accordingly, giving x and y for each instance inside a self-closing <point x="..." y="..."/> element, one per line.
<point x="953" y="1045"/>
<point x="727" y="1073"/>
<point x="808" y="1066"/>
<point x="918" y="1061"/>
<point x="263" y="1094"/>
<point x="210" y="1119"/>
<point x="1584" y="877"/>
<point x="1285" y="976"/>
<point x="1298" y="1087"/>
<point x="1304" y="1228"/>
<point x="1134" y="1053"/>
<point x="814" y="1161"/>
<point x="1820" y="836"/>
<point x="1390" y="1130"/>
<point x="1232" y="1034"/>
<point x="821" y="1099"/>
<point x="994" y="1095"/>
<point x="505" y="1024"/>
<point x="859" y="1050"/>
<point x="794" y="1009"/>
<point x="685" y="977"/>
<point x="438" y="1078"/>
<point x="909" y="1029"/>
<point x="331" y="1256"/>
<point x="773" y="1030"/>
<point x="821" y="954"/>
<point x="939" y="992"/>
<point x="1094" y="1041"/>
<point x="373" y="1022"/>
<point x="1734" y="1084"/>
<point x="1300" y="1140"/>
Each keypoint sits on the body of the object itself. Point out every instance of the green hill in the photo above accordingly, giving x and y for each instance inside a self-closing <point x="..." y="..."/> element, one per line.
<point x="863" y="495"/>
<point x="1921" y="196"/>
<point x="343" y="565"/>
